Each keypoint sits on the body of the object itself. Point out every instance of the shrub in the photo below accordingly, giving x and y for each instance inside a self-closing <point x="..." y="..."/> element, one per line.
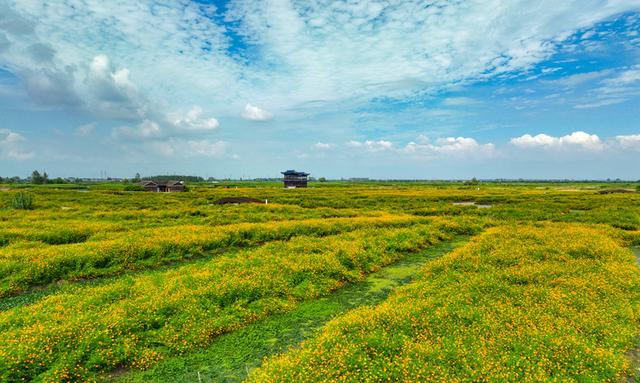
<point x="23" y="200"/>
<point x="133" y="187"/>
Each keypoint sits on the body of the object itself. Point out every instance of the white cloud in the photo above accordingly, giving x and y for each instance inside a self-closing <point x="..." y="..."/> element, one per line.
<point x="580" y="78"/>
<point x="193" y="120"/>
<point x="577" y="139"/>
<point x="178" y="123"/>
<point x="9" y="137"/>
<point x="206" y="148"/>
<point x="191" y="148"/>
<point x="371" y="146"/>
<point x="145" y="130"/>
<point x="322" y="146"/>
<point x="460" y="101"/>
<point x="11" y="146"/>
<point x="624" y="79"/>
<point x="528" y="140"/>
<point x="253" y="113"/>
<point x="423" y="147"/>
<point x="599" y="103"/>
<point x="617" y="88"/>
<point x="85" y="130"/>
<point x="631" y="141"/>
<point x="590" y="141"/>
<point x="305" y="51"/>
<point x="111" y="92"/>
<point x="448" y="146"/>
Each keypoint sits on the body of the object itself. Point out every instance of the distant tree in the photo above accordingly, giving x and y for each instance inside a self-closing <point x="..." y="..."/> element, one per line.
<point x="58" y="180"/>
<point x="136" y="178"/>
<point x="37" y="178"/>
<point x="322" y="179"/>
<point x="2" y="180"/>
<point x="473" y="181"/>
<point x="177" y="177"/>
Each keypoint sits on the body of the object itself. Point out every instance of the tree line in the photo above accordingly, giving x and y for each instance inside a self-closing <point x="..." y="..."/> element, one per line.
<point x="36" y="178"/>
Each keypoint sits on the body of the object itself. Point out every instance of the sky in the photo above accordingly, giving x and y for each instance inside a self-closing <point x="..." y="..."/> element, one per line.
<point x="345" y="88"/>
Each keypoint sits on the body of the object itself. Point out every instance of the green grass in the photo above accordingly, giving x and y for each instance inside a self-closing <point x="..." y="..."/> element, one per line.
<point x="232" y="355"/>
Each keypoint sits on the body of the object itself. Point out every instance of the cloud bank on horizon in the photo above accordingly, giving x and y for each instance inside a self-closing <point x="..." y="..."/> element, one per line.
<point x="406" y="89"/>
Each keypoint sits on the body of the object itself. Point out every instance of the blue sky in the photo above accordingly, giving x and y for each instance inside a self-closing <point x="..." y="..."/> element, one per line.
<point x="402" y="89"/>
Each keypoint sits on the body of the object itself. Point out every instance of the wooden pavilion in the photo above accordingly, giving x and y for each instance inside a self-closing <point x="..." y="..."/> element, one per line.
<point x="293" y="179"/>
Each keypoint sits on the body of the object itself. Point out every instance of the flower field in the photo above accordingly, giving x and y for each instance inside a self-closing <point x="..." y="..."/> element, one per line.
<point x="98" y="284"/>
<point x="527" y="304"/>
<point x="23" y="266"/>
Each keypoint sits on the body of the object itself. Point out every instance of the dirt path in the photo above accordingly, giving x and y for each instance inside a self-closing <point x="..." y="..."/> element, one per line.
<point x="232" y="355"/>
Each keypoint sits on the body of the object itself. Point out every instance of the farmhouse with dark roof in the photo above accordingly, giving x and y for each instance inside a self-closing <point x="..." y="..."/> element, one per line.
<point x="163" y="186"/>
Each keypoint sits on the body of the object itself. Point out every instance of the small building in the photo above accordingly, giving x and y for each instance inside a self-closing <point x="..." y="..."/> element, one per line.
<point x="294" y="179"/>
<point x="163" y="186"/>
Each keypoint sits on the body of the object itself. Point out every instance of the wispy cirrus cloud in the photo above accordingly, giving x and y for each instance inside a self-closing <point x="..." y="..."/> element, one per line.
<point x="177" y="76"/>
<point x="460" y="101"/>
<point x="299" y="52"/>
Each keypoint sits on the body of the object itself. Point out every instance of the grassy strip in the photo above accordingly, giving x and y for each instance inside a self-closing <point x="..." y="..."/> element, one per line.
<point x="21" y="268"/>
<point x="554" y="302"/>
<point x="138" y="320"/>
<point x="230" y="356"/>
<point x="35" y="293"/>
<point x="65" y="224"/>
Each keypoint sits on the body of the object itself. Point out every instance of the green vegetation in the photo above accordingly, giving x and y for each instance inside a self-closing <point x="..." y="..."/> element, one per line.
<point x="172" y="178"/>
<point x="528" y="304"/>
<point x="133" y="187"/>
<point x="136" y="321"/>
<point x="39" y="179"/>
<point x="230" y="356"/>
<point x="99" y="283"/>
<point x="22" y="201"/>
<point x="21" y="268"/>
